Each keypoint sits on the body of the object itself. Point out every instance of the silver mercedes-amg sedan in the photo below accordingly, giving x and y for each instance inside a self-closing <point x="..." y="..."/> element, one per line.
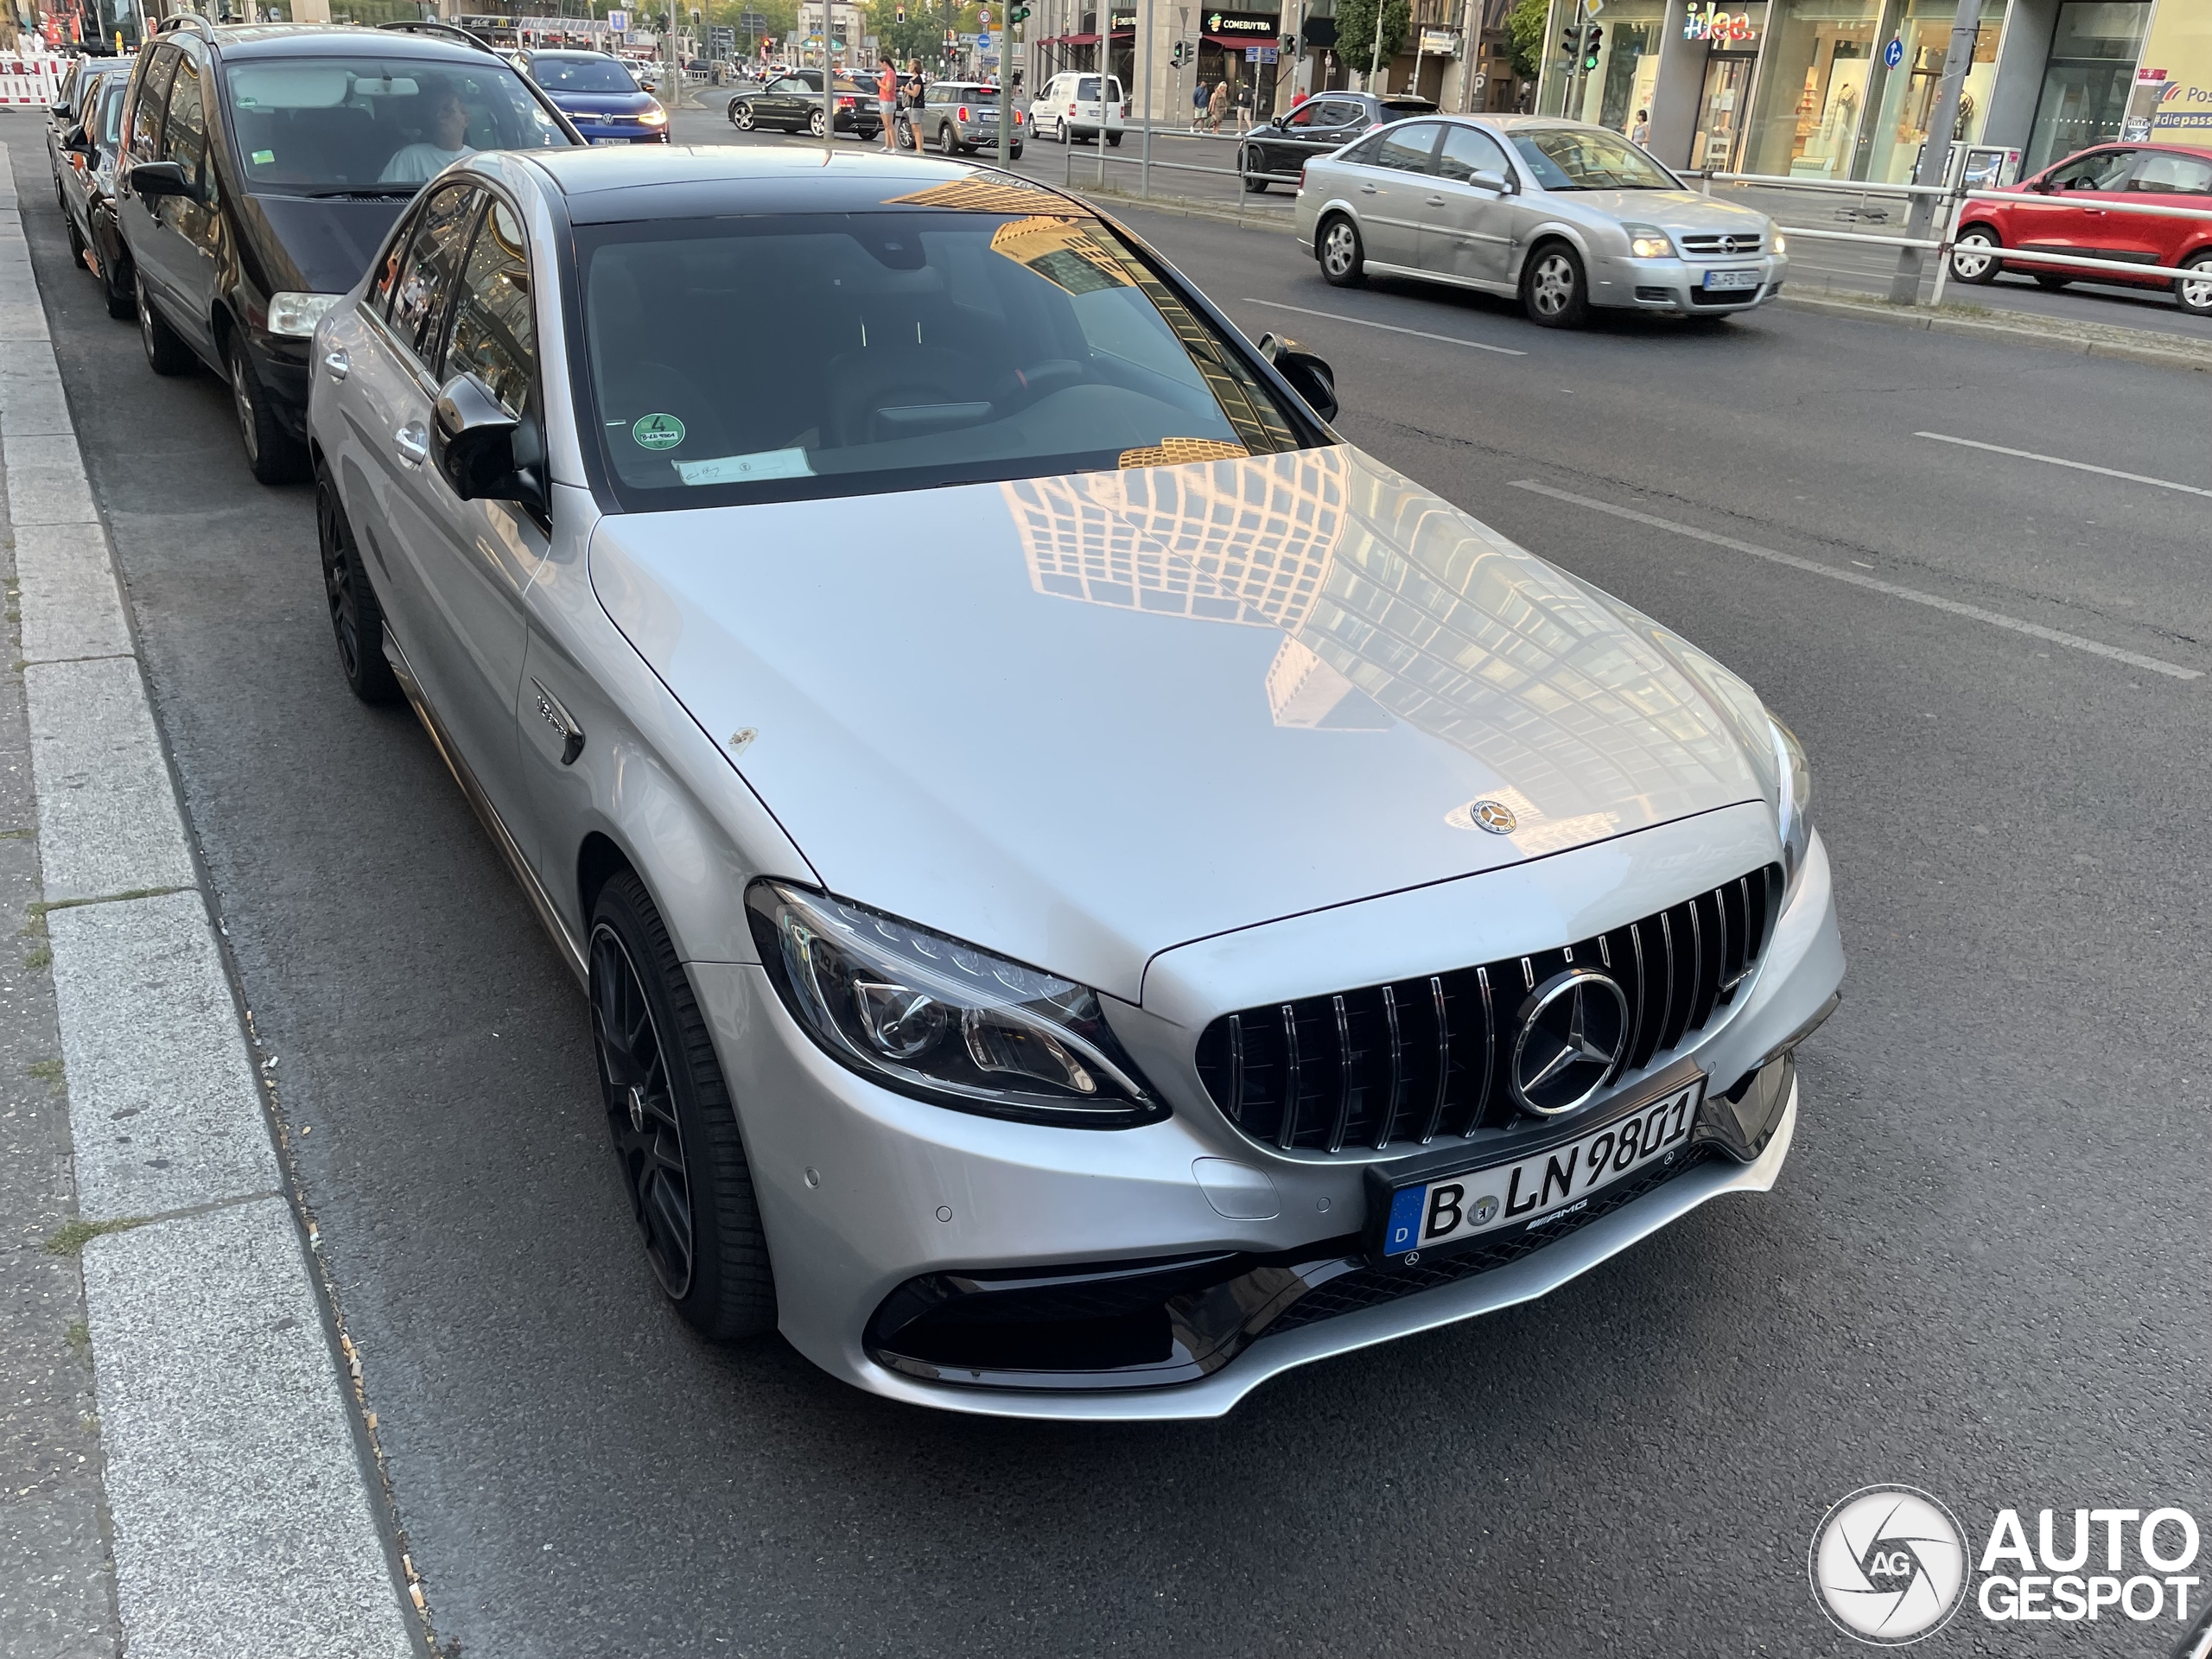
<point x="1561" y="215"/>
<point x="1090" y="891"/>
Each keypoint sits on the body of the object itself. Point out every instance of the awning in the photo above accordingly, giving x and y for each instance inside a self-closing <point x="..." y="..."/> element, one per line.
<point x="1078" y="40"/>
<point x="1238" y="42"/>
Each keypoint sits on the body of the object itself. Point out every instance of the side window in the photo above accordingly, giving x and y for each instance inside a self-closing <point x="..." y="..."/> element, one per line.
<point x="2168" y="173"/>
<point x="184" y="134"/>
<point x="153" y="100"/>
<point x="1406" y="146"/>
<point x="426" y="271"/>
<point x="1341" y="112"/>
<point x="1466" y="152"/>
<point x="1302" y="117"/>
<point x="2104" y="171"/>
<point x="493" y="336"/>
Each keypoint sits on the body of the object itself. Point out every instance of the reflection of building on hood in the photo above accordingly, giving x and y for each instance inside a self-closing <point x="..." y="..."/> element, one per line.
<point x="1394" y="606"/>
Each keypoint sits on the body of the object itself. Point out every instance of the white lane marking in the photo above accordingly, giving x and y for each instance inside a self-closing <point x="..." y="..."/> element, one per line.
<point x="2061" y="461"/>
<point x="1814" y="567"/>
<point x="1389" y="328"/>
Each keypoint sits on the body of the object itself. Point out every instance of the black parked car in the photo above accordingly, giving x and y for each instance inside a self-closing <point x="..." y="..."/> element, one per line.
<point x="90" y="149"/>
<point x="79" y="82"/>
<point x="793" y="102"/>
<point x="262" y="167"/>
<point x="1324" y="122"/>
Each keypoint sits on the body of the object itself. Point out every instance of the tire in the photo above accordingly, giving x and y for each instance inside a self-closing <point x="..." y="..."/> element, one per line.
<point x="946" y="144"/>
<point x="1113" y="140"/>
<point x="1343" y="259"/>
<point x="272" y="455"/>
<point x="1014" y="152"/>
<point x="814" y="123"/>
<point x="1980" y="268"/>
<point x="1246" y="169"/>
<point x="741" y="115"/>
<point x="1554" y="290"/>
<point x="76" y="242"/>
<point x="122" y="303"/>
<point x="165" y="353"/>
<point x="2045" y="280"/>
<point x="356" y="617"/>
<point x="2194" y="294"/>
<point x="1060" y="131"/>
<point x="674" y="1131"/>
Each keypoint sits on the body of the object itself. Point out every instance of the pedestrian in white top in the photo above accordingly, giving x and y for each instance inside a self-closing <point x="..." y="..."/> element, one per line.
<point x="418" y="164"/>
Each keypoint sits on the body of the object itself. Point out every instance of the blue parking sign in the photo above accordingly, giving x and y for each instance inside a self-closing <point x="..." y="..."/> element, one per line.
<point x="1893" y="53"/>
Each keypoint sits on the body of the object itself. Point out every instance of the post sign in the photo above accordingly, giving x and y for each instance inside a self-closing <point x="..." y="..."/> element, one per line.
<point x="618" y="21"/>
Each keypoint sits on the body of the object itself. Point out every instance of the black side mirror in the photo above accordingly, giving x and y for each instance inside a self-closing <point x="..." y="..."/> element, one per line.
<point x="77" y="141"/>
<point x="159" y="178"/>
<point x="59" y="109"/>
<point x="485" y="453"/>
<point x="1309" y="377"/>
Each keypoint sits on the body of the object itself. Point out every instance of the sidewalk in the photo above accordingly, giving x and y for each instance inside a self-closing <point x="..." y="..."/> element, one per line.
<point x="193" y="1475"/>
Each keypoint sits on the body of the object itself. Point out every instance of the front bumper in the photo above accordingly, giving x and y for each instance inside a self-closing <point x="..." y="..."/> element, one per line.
<point x="866" y="1195"/>
<point x="1677" y="285"/>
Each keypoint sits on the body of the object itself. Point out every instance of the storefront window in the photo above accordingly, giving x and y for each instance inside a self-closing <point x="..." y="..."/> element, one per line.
<point x="1731" y="43"/>
<point x="1628" y="66"/>
<point x="2085" y="82"/>
<point x="1904" y="98"/>
<point x="1813" y="88"/>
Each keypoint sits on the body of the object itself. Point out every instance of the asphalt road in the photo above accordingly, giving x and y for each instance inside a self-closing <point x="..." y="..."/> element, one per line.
<point x="1842" y="268"/>
<point x="1983" y="1272"/>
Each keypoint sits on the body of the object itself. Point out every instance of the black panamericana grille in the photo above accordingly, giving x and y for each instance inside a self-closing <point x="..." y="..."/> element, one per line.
<point x="1418" y="1058"/>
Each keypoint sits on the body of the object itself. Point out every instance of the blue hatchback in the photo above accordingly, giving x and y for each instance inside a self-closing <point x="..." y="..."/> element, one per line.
<point x="596" y="93"/>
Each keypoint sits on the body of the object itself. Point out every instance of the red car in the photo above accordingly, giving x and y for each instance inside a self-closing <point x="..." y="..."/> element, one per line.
<point x="2062" y="211"/>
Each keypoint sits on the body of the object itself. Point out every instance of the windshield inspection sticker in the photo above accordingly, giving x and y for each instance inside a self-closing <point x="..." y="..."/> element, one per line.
<point x="657" y="432"/>
<point x="740" y="469"/>
<point x="263" y="157"/>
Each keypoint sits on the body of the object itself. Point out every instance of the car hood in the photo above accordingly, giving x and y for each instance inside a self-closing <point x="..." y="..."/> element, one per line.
<point x="1677" y="211"/>
<point x="1082" y="719"/>
<point x="603" y="103"/>
<point x="319" y="247"/>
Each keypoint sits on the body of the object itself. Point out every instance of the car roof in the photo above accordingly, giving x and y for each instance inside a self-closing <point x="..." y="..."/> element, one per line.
<point x="325" y="40"/>
<point x="569" y="52"/>
<point x="610" y="184"/>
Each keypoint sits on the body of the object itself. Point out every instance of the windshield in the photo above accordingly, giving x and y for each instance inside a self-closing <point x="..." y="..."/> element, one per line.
<point x="1588" y="158"/>
<point x="911" y="349"/>
<point x="580" y="75"/>
<point x="313" y="126"/>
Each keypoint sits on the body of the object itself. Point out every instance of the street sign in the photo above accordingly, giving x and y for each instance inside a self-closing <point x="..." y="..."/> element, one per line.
<point x="1893" y="53"/>
<point x="618" y="21"/>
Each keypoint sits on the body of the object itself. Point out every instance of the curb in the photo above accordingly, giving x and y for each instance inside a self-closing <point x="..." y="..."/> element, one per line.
<point x="1115" y="201"/>
<point x="2183" y="354"/>
<point x="244" y="1515"/>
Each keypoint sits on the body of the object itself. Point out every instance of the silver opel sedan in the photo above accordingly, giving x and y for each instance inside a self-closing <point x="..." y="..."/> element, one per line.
<point x="1089" y="891"/>
<point x="1562" y="214"/>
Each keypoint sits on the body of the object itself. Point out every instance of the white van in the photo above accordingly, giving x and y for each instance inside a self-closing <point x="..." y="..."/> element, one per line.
<point x="1080" y="103"/>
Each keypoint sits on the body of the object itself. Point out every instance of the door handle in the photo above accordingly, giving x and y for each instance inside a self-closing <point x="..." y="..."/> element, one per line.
<point x="1367" y="190"/>
<point x="1436" y="202"/>
<point x="338" y="363"/>
<point x="412" y="443"/>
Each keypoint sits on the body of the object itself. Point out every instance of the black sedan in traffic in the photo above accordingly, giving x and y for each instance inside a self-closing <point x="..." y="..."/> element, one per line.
<point x="792" y="102"/>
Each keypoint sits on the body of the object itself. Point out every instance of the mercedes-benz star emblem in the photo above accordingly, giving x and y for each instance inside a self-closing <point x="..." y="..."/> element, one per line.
<point x="1573" y="1031"/>
<point x="1494" y="815"/>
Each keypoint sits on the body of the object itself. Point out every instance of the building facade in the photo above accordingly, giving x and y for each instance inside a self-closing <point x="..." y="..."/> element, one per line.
<point x="1843" y="89"/>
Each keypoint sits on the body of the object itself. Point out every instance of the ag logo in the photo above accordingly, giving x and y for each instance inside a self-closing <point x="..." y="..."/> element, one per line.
<point x="1889" y="1565"/>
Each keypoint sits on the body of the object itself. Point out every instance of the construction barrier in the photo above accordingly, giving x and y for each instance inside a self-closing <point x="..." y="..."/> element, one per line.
<point x="33" y="82"/>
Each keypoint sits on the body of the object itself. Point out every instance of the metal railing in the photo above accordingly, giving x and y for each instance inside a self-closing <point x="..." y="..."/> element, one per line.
<point x="1146" y="165"/>
<point x="1946" y="247"/>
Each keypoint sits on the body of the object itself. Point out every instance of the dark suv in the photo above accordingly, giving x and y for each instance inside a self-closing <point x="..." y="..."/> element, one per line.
<point x="262" y="167"/>
<point x="1322" y="124"/>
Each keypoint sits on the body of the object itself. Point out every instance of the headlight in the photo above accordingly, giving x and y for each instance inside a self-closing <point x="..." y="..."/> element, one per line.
<point x="1648" y="242"/>
<point x="654" y="118"/>
<point x="1781" y="243"/>
<point x="295" y="315"/>
<point x="941" y="1020"/>
<point x="1794" y="800"/>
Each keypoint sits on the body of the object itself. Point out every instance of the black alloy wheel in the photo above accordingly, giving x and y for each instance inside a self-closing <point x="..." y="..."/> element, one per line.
<point x="1247" y="167"/>
<point x="272" y="455"/>
<point x="356" y="617"/>
<point x="165" y="352"/>
<point x="675" y="1133"/>
<point x="116" y="291"/>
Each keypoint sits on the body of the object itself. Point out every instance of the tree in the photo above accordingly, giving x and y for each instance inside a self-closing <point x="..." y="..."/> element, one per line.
<point x="1526" y="27"/>
<point x="1355" y="33"/>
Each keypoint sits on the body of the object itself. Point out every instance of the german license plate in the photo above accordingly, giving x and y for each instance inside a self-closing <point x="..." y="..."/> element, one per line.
<point x="610" y="141"/>
<point x="1543" y="1187"/>
<point x="1732" y="279"/>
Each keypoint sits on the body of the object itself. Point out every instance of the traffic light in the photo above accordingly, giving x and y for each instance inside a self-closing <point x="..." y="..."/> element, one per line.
<point x="1017" y="14"/>
<point x="1570" y="43"/>
<point x="902" y="14"/>
<point x="1592" y="41"/>
<point x="1175" y="58"/>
